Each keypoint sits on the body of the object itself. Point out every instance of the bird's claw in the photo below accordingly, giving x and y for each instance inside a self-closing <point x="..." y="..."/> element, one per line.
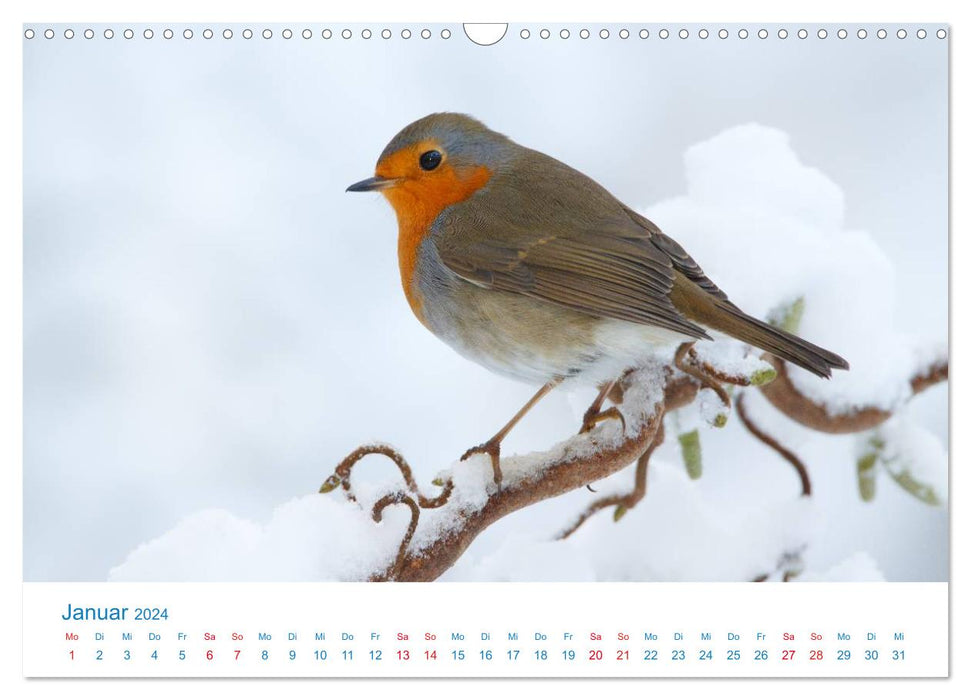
<point x="592" y="418"/>
<point x="490" y="448"/>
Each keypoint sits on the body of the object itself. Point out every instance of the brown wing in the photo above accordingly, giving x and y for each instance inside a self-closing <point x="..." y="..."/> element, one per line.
<point x="701" y="300"/>
<point x="591" y="255"/>
<point x="680" y="259"/>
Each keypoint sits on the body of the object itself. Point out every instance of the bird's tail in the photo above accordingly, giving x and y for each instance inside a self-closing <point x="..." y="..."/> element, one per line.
<point x="719" y="314"/>
<point x="786" y="346"/>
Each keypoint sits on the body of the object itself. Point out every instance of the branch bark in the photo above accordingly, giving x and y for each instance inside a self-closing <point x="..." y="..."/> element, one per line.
<point x="622" y="501"/>
<point x="783" y="394"/>
<point x="559" y="477"/>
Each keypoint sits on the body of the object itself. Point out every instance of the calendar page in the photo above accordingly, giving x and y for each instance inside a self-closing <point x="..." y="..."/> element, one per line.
<point x="545" y="349"/>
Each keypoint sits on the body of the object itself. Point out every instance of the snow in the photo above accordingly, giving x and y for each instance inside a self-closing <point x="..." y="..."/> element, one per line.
<point x="712" y="408"/>
<point x="679" y="534"/>
<point x="732" y="358"/>
<point x="911" y="454"/>
<point x="859" y="566"/>
<point x="769" y="230"/>
<point x="325" y="537"/>
<point x="308" y="538"/>
<point x="527" y="557"/>
<point x="675" y="534"/>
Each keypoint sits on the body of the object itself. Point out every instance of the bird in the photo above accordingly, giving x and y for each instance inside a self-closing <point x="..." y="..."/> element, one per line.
<point x="532" y="269"/>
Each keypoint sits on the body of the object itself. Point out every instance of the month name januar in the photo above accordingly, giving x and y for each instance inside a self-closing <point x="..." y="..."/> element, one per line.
<point x="79" y="613"/>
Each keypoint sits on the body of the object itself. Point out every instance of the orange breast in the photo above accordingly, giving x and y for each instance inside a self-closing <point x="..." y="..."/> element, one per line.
<point x="417" y="202"/>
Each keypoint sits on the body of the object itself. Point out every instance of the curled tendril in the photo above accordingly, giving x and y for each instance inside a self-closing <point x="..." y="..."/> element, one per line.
<point x="566" y="473"/>
<point x="683" y="361"/>
<point x="789" y="566"/>
<point x="774" y="444"/>
<point x="622" y="502"/>
<point x="377" y="512"/>
<point x="342" y="475"/>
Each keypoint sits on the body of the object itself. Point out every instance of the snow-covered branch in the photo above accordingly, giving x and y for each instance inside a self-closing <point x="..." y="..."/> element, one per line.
<point x="784" y="395"/>
<point x="442" y="528"/>
<point x="447" y="527"/>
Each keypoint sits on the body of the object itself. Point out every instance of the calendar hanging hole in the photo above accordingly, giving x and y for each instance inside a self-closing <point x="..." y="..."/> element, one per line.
<point x="485" y="34"/>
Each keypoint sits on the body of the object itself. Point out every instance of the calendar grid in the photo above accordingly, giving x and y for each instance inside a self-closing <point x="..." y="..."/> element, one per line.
<point x="496" y="630"/>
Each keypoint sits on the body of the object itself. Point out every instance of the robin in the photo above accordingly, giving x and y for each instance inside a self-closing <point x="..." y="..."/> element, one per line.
<point x="532" y="269"/>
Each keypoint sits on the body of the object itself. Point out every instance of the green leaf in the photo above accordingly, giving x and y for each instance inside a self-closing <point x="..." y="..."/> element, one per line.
<point x="877" y="454"/>
<point x="762" y="376"/>
<point x="333" y="481"/>
<point x="789" y="316"/>
<point x="691" y="452"/>
<point x="866" y="476"/>
<point x="915" y="488"/>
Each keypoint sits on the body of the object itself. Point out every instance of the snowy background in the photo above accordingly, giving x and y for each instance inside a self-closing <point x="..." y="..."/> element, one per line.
<point x="210" y="323"/>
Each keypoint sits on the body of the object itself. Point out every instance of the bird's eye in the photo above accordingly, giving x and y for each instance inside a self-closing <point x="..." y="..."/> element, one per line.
<point x="429" y="160"/>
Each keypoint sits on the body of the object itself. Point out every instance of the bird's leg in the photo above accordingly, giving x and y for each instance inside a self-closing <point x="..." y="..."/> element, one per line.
<point x="595" y="415"/>
<point x="491" y="446"/>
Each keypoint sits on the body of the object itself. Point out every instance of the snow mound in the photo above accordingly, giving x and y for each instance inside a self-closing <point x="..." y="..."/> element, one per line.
<point x="857" y="567"/>
<point x="769" y="230"/>
<point x="313" y="538"/>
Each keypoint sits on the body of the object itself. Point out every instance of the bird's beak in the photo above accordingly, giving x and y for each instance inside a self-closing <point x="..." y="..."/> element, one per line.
<point x="372" y="184"/>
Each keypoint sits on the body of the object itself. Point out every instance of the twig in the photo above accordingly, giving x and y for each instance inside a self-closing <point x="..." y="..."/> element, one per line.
<point x="934" y="374"/>
<point x="626" y="501"/>
<point x="378" y="511"/>
<point x="767" y="439"/>
<point x="707" y="380"/>
<point x="562" y="475"/>
<point x="783" y="394"/>
<point x="342" y="475"/>
<point x="790" y="564"/>
<point x="714" y="373"/>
